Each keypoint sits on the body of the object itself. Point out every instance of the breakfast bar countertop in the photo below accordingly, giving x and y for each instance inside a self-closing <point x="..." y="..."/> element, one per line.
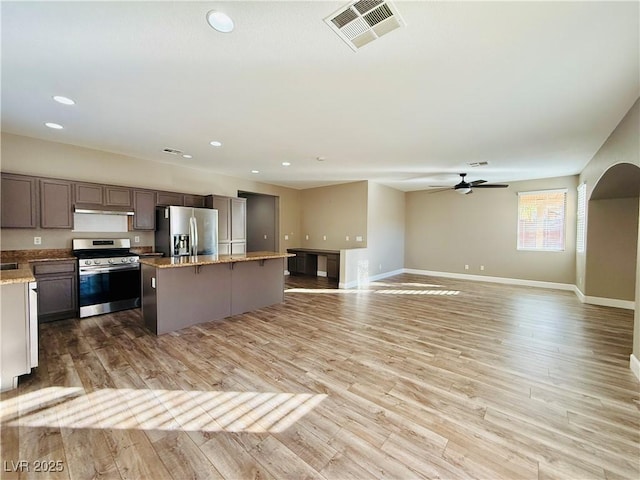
<point x="197" y="260"/>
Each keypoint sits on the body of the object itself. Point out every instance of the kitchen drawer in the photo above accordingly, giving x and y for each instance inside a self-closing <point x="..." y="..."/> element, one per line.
<point x="45" y="268"/>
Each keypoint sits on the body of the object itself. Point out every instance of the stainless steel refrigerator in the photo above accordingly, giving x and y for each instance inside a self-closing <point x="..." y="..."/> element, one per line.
<point x="186" y="231"/>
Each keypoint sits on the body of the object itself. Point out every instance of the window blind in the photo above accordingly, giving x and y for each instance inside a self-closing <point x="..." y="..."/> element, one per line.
<point x="581" y="218"/>
<point x="541" y="220"/>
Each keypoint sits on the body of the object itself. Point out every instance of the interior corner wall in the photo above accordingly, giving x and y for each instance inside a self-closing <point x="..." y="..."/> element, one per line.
<point x="446" y="231"/>
<point x="622" y="146"/>
<point x="31" y="156"/>
<point x="334" y="212"/>
<point x="385" y="229"/>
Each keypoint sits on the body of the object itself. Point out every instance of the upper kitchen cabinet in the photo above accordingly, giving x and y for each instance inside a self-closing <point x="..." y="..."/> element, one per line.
<point x="19" y="201"/>
<point x="102" y="195"/>
<point x="165" y="199"/>
<point x="194" y="200"/>
<point x="144" y="209"/>
<point x="89" y="193"/>
<point x="117" y="196"/>
<point x="238" y="219"/>
<point x="55" y="203"/>
<point x="232" y="223"/>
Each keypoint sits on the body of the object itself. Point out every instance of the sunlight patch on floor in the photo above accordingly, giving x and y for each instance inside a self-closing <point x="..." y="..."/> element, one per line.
<point x="149" y="409"/>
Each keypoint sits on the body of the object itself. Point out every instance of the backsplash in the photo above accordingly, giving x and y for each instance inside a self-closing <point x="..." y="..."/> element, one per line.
<point x="23" y="238"/>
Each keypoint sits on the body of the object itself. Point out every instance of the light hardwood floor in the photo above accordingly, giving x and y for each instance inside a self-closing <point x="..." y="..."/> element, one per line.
<point x="414" y="377"/>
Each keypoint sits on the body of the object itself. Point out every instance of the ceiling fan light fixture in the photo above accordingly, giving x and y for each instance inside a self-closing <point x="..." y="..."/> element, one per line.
<point x="463" y="190"/>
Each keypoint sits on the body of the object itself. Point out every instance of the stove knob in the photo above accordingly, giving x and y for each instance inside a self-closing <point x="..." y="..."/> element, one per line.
<point x="111" y="260"/>
<point x="97" y="262"/>
<point x="123" y="260"/>
<point x="87" y="262"/>
<point x="133" y="260"/>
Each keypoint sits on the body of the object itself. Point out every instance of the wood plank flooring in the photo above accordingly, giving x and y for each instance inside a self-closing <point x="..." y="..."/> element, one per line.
<point x="413" y="377"/>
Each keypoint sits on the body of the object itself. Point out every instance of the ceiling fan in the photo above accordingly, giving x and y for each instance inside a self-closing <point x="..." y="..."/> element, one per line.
<point x="465" y="187"/>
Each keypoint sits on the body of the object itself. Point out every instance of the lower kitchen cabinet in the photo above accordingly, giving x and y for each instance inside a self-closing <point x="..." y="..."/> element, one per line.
<point x="57" y="290"/>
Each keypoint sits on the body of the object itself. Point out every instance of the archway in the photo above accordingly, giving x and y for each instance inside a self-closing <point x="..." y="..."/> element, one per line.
<point x="612" y="235"/>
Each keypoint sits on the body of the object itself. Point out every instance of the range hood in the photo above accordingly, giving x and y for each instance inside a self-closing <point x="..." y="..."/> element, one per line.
<point x="101" y="209"/>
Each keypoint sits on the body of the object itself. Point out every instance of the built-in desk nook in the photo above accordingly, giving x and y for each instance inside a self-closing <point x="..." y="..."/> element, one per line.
<point x="305" y="262"/>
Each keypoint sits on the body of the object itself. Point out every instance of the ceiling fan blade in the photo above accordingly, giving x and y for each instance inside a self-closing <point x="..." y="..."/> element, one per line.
<point x="491" y="185"/>
<point x="438" y="188"/>
<point x="477" y="182"/>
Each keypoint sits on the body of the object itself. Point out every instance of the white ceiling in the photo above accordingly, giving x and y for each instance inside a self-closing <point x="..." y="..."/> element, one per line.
<point x="533" y="88"/>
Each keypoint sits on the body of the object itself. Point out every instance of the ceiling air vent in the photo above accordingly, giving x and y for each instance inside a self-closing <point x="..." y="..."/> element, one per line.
<point x="364" y="21"/>
<point x="172" y="151"/>
<point x="478" y="164"/>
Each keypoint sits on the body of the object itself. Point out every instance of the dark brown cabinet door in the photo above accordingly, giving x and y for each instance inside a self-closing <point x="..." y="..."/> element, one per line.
<point x="193" y="200"/>
<point x="164" y="199"/>
<point x="117" y="196"/>
<point x="55" y="204"/>
<point x="19" y="201"/>
<point x="57" y="290"/>
<point x="88" y="193"/>
<point x="144" y="208"/>
<point x="333" y="266"/>
<point x="57" y="297"/>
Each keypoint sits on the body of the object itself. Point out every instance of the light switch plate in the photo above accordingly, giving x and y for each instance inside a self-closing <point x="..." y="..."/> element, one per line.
<point x="358" y="238"/>
<point x="286" y="237"/>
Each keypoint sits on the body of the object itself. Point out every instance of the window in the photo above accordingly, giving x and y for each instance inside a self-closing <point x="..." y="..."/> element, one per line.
<point x="541" y="220"/>
<point x="581" y="216"/>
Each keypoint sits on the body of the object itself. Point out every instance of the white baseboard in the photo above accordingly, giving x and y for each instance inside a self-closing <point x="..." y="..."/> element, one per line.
<point x="605" y="302"/>
<point x="488" y="278"/>
<point x="287" y="272"/>
<point x="380" y="276"/>
<point x="634" y="364"/>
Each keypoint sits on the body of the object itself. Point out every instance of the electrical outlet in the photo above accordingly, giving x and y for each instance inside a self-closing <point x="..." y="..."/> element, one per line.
<point x="265" y="236"/>
<point x="136" y="239"/>
<point x="466" y="267"/>
<point x="306" y="237"/>
<point x="286" y="237"/>
<point x="481" y="267"/>
<point x="324" y="237"/>
<point x="347" y="238"/>
<point x="37" y="240"/>
<point x="358" y="238"/>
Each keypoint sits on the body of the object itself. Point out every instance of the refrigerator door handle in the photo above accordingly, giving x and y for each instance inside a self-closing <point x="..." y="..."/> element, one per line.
<point x="194" y="237"/>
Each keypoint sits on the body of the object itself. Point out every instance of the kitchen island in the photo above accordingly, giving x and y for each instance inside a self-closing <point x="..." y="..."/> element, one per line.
<point x="178" y="292"/>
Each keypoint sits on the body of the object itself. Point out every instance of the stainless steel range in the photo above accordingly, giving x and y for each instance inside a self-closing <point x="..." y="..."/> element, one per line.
<point x="109" y="275"/>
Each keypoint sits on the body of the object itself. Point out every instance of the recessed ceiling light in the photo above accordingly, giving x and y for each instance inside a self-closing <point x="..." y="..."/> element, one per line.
<point x="55" y="126"/>
<point x="255" y="171"/>
<point x="187" y="156"/>
<point x="215" y="143"/>
<point x="286" y="164"/>
<point x="321" y="159"/>
<point x="220" y="21"/>
<point x="63" y="100"/>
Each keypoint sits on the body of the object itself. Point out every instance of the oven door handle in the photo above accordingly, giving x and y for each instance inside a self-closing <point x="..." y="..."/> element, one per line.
<point x="95" y="271"/>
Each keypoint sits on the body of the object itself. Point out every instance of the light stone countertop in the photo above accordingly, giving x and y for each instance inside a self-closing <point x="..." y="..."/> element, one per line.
<point x="194" y="261"/>
<point x="24" y="259"/>
<point x="24" y="274"/>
